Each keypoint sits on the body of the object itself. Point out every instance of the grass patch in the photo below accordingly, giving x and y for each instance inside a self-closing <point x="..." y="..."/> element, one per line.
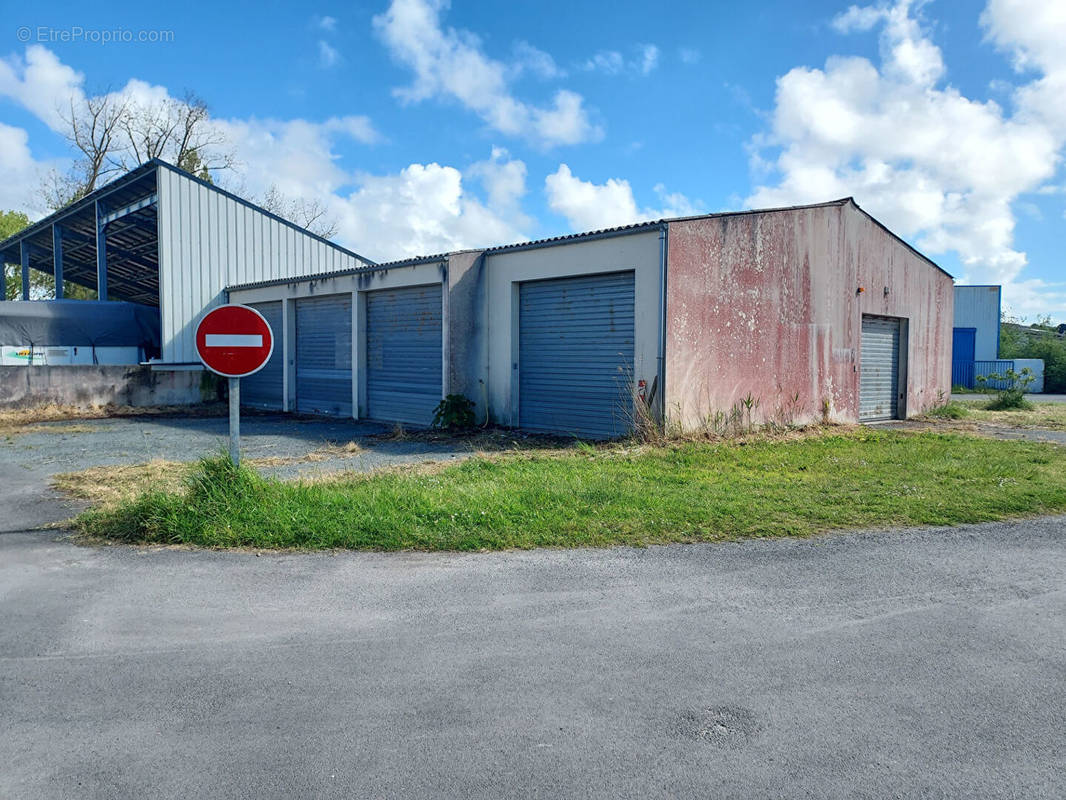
<point x="608" y="495"/>
<point x="952" y="410"/>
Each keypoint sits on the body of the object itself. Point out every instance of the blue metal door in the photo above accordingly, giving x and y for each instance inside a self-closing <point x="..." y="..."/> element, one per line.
<point x="324" y="355"/>
<point x="404" y="355"/>
<point x="264" y="389"/>
<point x="575" y="355"/>
<point x="963" y="350"/>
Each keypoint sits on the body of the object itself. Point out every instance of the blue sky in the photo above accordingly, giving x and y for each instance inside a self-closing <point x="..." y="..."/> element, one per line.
<point x="423" y="126"/>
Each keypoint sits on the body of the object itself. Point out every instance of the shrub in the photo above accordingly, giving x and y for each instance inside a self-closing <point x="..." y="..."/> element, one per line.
<point x="455" y="412"/>
<point x="1012" y="397"/>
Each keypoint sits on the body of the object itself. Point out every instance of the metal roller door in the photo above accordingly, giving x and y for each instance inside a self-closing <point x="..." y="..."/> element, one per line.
<point x="265" y="388"/>
<point x="879" y="369"/>
<point x="324" y="355"/>
<point x="575" y="355"/>
<point x="403" y="354"/>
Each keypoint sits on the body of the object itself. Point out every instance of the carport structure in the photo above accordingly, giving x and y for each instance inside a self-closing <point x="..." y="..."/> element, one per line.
<point x="107" y="241"/>
<point x="162" y="237"/>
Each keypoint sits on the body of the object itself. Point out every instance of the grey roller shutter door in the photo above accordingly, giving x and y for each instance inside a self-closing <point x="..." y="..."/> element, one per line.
<point x="575" y="359"/>
<point x="403" y="353"/>
<point x="879" y="369"/>
<point x="265" y="388"/>
<point x="324" y="355"/>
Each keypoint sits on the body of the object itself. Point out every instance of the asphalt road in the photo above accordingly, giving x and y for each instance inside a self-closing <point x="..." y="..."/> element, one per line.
<point x="923" y="663"/>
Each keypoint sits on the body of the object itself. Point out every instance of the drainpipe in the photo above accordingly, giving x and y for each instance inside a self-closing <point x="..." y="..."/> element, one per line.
<point x="664" y="231"/>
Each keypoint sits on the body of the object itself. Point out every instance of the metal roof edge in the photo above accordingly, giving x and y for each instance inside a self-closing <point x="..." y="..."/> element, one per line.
<point x="36" y="228"/>
<point x="341" y="273"/>
<point x="249" y="204"/>
<point x="899" y="238"/>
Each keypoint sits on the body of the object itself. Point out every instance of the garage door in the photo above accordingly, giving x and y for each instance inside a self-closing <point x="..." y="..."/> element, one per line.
<point x="324" y="355"/>
<point x="879" y="369"/>
<point x="575" y="357"/>
<point x="403" y="354"/>
<point x="264" y="389"/>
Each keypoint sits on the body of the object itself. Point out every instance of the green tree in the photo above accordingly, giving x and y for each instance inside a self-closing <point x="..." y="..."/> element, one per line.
<point x="1016" y="340"/>
<point x="11" y="222"/>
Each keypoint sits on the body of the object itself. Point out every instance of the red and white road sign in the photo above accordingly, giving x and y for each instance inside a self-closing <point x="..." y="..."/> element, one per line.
<point x="235" y="341"/>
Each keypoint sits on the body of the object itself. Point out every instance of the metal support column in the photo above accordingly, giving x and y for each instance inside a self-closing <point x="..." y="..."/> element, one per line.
<point x="101" y="255"/>
<point x="235" y="421"/>
<point x="24" y="254"/>
<point x="57" y="259"/>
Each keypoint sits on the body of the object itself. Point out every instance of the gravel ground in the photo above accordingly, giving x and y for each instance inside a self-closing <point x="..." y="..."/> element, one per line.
<point x="28" y="461"/>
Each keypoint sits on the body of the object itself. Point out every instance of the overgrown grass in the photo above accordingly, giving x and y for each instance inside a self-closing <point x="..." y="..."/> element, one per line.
<point x="609" y="495"/>
<point x="950" y="410"/>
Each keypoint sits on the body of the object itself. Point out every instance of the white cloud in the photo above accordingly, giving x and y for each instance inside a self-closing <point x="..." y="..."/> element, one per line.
<point x="20" y="173"/>
<point x="327" y="23"/>
<point x="590" y="206"/>
<point x="689" y="55"/>
<point x="425" y="208"/>
<point x="612" y="62"/>
<point x="449" y="63"/>
<point x="328" y="56"/>
<point x="41" y="83"/>
<point x="649" y="58"/>
<point x="528" y="58"/>
<point x="933" y="164"/>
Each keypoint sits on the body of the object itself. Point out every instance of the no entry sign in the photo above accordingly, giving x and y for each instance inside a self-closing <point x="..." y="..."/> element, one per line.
<point x="233" y="340"/>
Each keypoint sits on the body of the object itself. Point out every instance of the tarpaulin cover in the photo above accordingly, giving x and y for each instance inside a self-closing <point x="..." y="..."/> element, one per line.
<point x="79" y="323"/>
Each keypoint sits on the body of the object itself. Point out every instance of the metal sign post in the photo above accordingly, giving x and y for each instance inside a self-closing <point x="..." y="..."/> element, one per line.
<point x="235" y="421"/>
<point x="234" y="341"/>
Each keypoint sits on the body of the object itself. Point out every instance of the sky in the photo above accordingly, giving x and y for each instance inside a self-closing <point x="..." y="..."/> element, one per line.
<point x="425" y="126"/>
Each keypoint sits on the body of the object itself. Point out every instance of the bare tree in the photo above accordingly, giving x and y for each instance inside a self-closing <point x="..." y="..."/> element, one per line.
<point x="178" y="131"/>
<point x="92" y="127"/>
<point x="114" y="134"/>
<point x="309" y="214"/>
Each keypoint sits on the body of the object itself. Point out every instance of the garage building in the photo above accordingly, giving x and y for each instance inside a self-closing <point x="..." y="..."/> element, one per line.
<point x="806" y="313"/>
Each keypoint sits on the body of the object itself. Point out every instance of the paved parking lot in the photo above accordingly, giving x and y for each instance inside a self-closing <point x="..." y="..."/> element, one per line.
<point x="904" y="664"/>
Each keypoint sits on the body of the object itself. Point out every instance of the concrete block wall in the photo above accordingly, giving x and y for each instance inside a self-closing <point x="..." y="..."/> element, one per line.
<point x="90" y="386"/>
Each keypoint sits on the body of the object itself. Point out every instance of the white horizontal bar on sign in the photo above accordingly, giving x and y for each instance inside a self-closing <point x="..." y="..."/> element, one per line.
<point x="233" y="340"/>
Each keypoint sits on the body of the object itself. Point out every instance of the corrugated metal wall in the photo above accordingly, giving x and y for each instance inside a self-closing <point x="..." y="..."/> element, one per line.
<point x="575" y="361"/>
<point x="978" y="307"/>
<point x="208" y="241"/>
<point x="404" y="357"/>
<point x="879" y="369"/>
<point x="324" y="355"/>
<point x="264" y="389"/>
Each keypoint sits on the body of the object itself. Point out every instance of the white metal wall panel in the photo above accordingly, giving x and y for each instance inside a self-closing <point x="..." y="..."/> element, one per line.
<point x="978" y="307"/>
<point x="324" y="355"/>
<point x="209" y="240"/>
<point x="879" y="369"/>
<point x="575" y="360"/>
<point x="265" y="388"/>
<point x="404" y="361"/>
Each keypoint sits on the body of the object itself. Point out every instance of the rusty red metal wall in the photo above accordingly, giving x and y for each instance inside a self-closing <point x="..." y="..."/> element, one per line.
<point x="767" y="305"/>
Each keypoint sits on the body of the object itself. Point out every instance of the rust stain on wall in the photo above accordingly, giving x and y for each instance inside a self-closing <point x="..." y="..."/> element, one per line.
<point x="767" y="305"/>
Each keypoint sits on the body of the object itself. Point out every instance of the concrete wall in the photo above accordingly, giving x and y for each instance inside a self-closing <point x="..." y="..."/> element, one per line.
<point x="505" y="270"/>
<point x="84" y="387"/>
<point x="979" y="307"/>
<point x="767" y="304"/>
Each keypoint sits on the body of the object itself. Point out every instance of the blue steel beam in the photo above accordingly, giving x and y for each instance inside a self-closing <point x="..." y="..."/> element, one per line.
<point x="57" y="259"/>
<point x="24" y="254"/>
<point x="101" y="255"/>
